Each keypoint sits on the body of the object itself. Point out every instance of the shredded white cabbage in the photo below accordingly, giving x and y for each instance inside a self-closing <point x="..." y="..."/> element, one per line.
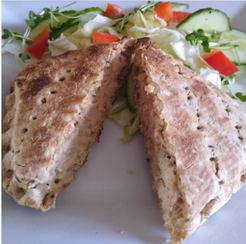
<point x="86" y="29"/>
<point x="61" y="45"/>
<point x="211" y="75"/>
<point x="13" y="46"/>
<point x="110" y="30"/>
<point x="143" y="29"/>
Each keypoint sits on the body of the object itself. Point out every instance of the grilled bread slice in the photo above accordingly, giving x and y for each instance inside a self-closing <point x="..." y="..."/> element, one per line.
<point x="195" y="139"/>
<point x="55" y="112"/>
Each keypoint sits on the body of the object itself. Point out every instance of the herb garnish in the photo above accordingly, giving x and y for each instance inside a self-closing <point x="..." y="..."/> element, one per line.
<point x="46" y="13"/>
<point x="149" y="7"/>
<point x="13" y="35"/>
<point x="24" y="56"/>
<point x="197" y="37"/>
<point x="241" y="96"/>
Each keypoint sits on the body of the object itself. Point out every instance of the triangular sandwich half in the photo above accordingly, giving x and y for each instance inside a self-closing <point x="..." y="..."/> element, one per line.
<point x="195" y="139"/>
<point x="55" y="112"/>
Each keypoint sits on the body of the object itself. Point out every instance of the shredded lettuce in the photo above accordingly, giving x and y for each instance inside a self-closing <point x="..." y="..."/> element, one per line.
<point x="120" y="112"/>
<point x="61" y="45"/>
<point x="142" y="24"/>
<point x="86" y="29"/>
<point x="143" y="29"/>
<point x="211" y="75"/>
<point x="163" y="37"/>
<point x="151" y="20"/>
<point x="80" y="42"/>
<point x="189" y="54"/>
<point x="13" y="46"/>
<point x="110" y="30"/>
<point x="130" y="129"/>
<point x="122" y="115"/>
<point x="66" y="43"/>
<point x="147" y="20"/>
<point x="85" y="18"/>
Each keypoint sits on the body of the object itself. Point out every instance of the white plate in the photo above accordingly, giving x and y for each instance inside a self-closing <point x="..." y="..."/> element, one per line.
<point x="112" y="200"/>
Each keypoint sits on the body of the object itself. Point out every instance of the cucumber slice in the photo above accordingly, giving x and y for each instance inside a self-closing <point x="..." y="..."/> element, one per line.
<point x="38" y="29"/>
<point x="71" y="23"/>
<point x="207" y="19"/>
<point x="46" y="22"/>
<point x="71" y="29"/>
<point x="179" y="6"/>
<point x="130" y="87"/>
<point x="234" y="34"/>
<point x="238" y="38"/>
<point x="82" y="17"/>
<point x="94" y="10"/>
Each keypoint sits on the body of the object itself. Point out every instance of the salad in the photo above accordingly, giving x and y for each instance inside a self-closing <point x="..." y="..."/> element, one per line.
<point x="204" y="40"/>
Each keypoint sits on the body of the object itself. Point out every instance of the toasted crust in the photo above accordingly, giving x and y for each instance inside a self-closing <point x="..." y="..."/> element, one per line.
<point x="54" y="113"/>
<point x="195" y="139"/>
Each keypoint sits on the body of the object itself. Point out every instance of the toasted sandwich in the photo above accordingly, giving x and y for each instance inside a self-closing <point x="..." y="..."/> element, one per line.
<point x="195" y="139"/>
<point x="55" y="111"/>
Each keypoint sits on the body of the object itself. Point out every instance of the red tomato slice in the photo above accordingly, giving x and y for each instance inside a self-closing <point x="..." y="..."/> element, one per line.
<point x="40" y="43"/>
<point x="179" y="16"/>
<point x="218" y="60"/>
<point x="103" y="37"/>
<point x="164" y="11"/>
<point x="113" y="9"/>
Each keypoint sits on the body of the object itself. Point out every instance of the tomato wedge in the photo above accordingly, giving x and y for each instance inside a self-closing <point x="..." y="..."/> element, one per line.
<point x="103" y="37"/>
<point x="218" y="60"/>
<point x="113" y="9"/>
<point x="40" y="43"/>
<point x="164" y="11"/>
<point x="179" y="16"/>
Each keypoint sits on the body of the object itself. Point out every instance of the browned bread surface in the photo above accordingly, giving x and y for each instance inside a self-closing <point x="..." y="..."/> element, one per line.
<point x="195" y="139"/>
<point x="55" y="112"/>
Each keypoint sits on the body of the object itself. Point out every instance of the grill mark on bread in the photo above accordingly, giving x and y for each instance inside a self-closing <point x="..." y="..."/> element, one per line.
<point x="37" y="85"/>
<point x="94" y="50"/>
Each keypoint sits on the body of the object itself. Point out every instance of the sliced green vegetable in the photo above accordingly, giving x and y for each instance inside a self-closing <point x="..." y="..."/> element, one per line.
<point x="149" y="6"/>
<point x="130" y="87"/>
<point x="179" y="6"/>
<point x="46" y="14"/>
<point x="235" y="49"/>
<point x="59" y="22"/>
<point x="71" y="29"/>
<point x="47" y="21"/>
<point x="71" y="25"/>
<point x="234" y="34"/>
<point x="208" y="19"/>
<point x="76" y="17"/>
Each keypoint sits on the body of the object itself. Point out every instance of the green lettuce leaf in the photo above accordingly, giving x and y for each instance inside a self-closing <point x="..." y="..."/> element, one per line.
<point x="122" y="115"/>
<point x="120" y="112"/>
<point x="130" y="129"/>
